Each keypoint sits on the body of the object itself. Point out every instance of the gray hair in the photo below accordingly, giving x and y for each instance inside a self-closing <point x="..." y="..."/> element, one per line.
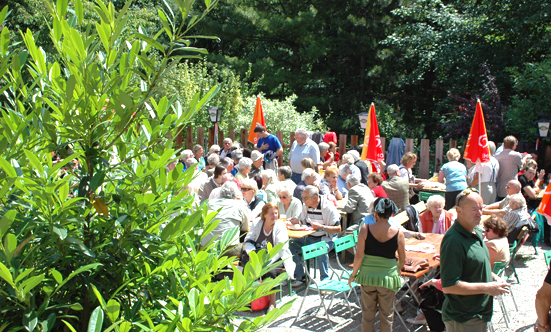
<point x="226" y="177"/>
<point x="237" y="155"/>
<point x="323" y="146"/>
<point x="270" y="175"/>
<point x="186" y="154"/>
<point x="518" y="199"/>
<point x="197" y="148"/>
<point x="229" y="190"/>
<point x="306" y="173"/>
<point x="355" y="154"/>
<point x="245" y="163"/>
<point x="190" y="162"/>
<point x="347" y="158"/>
<point x="492" y="147"/>
<point x="227" y="140"/>
<point x="392" y="169"/>
<point x="250" y="183"/>
<point x="214" y="147"/>
<point x="353" y="179"/>
<point x="225" y="162"/>
<point x="344" y="170"/>
<point x="301" y="132"/>
<point x="286" y="171"/>
<point x="284" y="188"/>
<point x="312" y="190"/>
<point x="436" y="199"/>
<point x="213" y="159"/>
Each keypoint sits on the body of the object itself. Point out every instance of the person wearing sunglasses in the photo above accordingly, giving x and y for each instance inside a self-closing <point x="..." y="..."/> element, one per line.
<point x="495" y="232"/>
<point x="466" y="272"/>
<point x="249" y="188"/>
<point x="288" y="206"/>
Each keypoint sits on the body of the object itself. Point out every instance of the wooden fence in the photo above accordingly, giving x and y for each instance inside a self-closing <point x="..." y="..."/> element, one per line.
<point x="189" y="138"/>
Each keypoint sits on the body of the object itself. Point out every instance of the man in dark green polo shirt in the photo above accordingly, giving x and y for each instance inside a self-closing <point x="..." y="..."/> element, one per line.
<point x="467" y="278"/>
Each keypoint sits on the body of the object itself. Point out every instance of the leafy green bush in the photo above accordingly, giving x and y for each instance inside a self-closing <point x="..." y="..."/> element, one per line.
<point x="106" y="238"/>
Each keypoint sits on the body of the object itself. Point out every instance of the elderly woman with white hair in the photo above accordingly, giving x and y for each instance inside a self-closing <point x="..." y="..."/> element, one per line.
<point x="249" y="188"/>
<point x="269" y="184"/>
<point x="455" y="174"/>
<point x="213" y="160"/>
<point x="288" y="206"/>
<point x="245" y="165"/>
<point x="435" y="219"/>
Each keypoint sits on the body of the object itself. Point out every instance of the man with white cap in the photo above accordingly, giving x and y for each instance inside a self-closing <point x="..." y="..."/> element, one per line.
<point x="258" y="159"/>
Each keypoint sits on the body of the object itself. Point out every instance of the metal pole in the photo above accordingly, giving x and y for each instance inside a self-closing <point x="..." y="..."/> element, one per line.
<point x="216" y="133"/>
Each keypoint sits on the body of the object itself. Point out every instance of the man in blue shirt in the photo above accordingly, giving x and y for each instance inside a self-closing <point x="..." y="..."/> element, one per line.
<point x="270" y="146"/>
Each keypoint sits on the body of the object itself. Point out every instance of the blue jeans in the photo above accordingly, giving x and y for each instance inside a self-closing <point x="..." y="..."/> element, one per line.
<point x="296" y="178"/>
<point x="296" y="249"/>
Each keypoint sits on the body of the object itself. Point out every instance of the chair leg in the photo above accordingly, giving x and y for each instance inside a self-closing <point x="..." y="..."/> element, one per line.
<point x="348" y="303"/>
<point x="513" y="296"/>
<point x="503" y="310"/>
<point x="302" y="303"/>
<point x="324" y="307"/>
<point x="396" y="313"/>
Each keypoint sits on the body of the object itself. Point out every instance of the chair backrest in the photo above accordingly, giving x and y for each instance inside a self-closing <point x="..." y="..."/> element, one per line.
<point x="356" y="233"/>
<point x="314" y="250"/>
<point x="421" y="206"/>
<point x="344" y="243"/>
<point x="499" y="267"/>
<point x="401" y="218"/>
<point x="547" y="256"/>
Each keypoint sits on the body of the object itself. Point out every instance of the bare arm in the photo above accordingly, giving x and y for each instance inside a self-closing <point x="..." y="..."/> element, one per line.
<point x="499" y="213"/>
<point x="441" y="176"/>
<point x="279" y="152"/>
<point x="543" y="302"/>
<point x="359" y="256"/>
<point x="493" y="288"/>
<point x="476" y="178"/>
<point x="401" y="250"/>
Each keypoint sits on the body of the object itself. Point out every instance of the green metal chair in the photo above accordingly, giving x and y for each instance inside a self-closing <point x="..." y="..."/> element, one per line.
<point x="424" y="196"/>
<point x="547" y="256"/>
<point x="314" y="251"/>
<point x="513" y="249"/>
<point x="344" y="243"/>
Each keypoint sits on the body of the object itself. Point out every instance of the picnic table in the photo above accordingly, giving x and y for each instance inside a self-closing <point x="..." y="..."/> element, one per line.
<point x="433" y="239"/>
<point x="295" y="234"/>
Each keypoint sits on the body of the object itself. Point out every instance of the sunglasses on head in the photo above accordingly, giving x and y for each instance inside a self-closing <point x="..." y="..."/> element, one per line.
<point x="464" y="193"/>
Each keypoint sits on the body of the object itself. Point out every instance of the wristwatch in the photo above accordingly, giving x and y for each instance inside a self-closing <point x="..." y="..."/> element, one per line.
<point x="324" y="228"/>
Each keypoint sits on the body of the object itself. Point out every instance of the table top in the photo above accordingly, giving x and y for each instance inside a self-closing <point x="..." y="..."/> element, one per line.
<point x="437" y="189"/>
<point x="299" y="234"/>
<point x="435" y="240"/>
<point x="341" y="204"/>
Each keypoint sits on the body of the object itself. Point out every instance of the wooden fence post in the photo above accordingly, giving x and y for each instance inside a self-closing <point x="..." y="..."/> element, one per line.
<point x="244" y="137"/>
<point x="409" y="144"/>
<point x="424" y="157"/>
<point x="232" y="134"/>
<point x="383" y="145"/>
<point x="291" y="139"/>
<point x="220" y="138"/>
<point x="438" y="155"/>
<point x="179" y="139"/>
<point x="279" y="135"/>
<point x="189" y="138"/>
<point x="354" y="140"/>
<point x="211" y="137"/>
<point x="453" y="144"/>
<point x="342" y="144"/>
<point x="201" y="137"/>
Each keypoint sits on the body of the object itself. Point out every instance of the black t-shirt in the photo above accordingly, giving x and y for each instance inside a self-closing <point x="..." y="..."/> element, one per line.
<point x="525" y="183"/>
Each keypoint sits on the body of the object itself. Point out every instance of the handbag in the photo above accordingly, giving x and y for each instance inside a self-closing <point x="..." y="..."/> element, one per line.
<point x="415" y="264"/>
<point x="244" y="258"/>
<point x="533" y="227"/>
<point x="431" y="298"/>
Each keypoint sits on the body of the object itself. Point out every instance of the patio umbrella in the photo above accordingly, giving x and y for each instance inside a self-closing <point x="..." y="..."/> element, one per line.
<point x="545" y="205"/>
<point x="477" y="149"/>
<point x="372" y="148"/>
<point x="258" y="120"/>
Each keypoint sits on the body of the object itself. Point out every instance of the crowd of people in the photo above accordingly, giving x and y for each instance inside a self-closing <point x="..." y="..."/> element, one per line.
<point x="256" y="194"/>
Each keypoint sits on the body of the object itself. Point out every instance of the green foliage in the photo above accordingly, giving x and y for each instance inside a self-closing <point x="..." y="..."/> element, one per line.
<point x="532" y="102"/>
<point x="106" y="237"/>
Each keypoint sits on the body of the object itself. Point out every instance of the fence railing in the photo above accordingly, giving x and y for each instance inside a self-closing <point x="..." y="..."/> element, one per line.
<point x="200" y="135"/>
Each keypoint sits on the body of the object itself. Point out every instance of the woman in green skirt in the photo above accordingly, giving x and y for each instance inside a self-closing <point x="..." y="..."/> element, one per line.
<point x="376" y="268"/>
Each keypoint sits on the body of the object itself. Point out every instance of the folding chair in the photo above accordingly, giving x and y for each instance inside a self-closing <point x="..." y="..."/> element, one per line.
<point x="341" y="244"/>
<point x="499" y="270"/>
<point x="547" y="256"/>
<point x="513" y="249"/>
<point x="314" y="251"/>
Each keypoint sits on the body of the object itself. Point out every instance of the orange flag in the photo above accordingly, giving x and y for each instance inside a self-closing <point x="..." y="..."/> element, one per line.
<point x="477" y="148"/>
<point x="372" y="150"/>
<point x="258" y="119"/>
<point x="545" y="206"/>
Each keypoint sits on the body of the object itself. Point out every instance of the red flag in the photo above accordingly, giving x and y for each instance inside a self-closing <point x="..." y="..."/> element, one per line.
<point x="545" y="206"/>
<point x="258" y="119"/>
<point x="372" y="150"/>
<point x="477" y="148"/>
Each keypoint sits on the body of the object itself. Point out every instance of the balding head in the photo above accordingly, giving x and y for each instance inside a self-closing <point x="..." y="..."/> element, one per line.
<point x="469" y="209"/>
<point x="513" y="187"/>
